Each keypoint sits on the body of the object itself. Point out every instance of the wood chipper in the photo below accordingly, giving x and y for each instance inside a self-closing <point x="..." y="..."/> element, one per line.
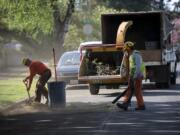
<point x="104" y="64"/>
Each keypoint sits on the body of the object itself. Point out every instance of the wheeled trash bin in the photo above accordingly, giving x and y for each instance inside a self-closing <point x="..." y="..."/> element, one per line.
<point x="57" y="94"/>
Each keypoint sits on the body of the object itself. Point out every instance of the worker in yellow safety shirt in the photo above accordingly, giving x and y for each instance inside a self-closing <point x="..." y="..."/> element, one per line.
<point x="136" y="74"/>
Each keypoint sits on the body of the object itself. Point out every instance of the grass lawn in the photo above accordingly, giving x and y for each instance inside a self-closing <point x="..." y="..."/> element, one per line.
<point x="13" y="90"/>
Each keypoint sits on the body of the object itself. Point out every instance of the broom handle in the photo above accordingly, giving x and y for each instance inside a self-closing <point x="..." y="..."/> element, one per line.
<point x="54" y="64"/>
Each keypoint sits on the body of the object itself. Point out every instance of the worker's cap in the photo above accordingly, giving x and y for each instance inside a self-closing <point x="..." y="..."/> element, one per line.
<point x="128" y="45"/>
<point x="25" y="60"/>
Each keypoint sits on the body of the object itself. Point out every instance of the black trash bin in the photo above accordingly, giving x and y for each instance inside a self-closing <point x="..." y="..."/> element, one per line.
<point x="57" y="94"/>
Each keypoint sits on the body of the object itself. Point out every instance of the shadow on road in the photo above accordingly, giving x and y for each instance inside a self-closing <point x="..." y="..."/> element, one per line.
<point x="173" y="91"/>
<point x="162" y="117"/>
<point x="159" y="118"/>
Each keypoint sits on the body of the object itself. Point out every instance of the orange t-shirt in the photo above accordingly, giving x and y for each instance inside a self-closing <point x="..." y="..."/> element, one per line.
<point x="36" y="67"/>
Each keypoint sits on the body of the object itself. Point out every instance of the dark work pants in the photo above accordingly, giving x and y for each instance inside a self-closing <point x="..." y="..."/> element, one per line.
<point x="40" y="86"/>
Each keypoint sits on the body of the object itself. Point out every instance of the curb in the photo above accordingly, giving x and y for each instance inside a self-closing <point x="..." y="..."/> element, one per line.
<point x="77" y="87"/>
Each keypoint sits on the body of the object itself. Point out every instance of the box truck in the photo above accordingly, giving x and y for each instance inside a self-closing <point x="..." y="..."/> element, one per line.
<point x="151" y="32"/>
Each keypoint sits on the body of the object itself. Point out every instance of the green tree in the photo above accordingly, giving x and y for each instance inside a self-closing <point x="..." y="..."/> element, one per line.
<point x="36" y="22"/>
<point x="130" y="5"/>
<point x="75" y="35"/>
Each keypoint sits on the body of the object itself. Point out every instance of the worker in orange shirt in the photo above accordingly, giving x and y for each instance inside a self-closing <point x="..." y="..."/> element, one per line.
<point x="37" y="67"/>
<point x="136" y="74"/>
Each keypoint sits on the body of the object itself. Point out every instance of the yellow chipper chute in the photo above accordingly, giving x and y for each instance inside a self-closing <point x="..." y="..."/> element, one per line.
<point x="121" y="33"/>
<point x="120" y="39"/>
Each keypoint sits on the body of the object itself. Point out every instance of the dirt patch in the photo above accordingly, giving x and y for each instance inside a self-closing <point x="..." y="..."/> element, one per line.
<point x="24" y="108"/>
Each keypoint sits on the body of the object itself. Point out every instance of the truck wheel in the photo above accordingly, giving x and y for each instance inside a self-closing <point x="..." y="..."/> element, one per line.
<point x="173" y="78"/>
<point x="167" y="85"/>
<point x="94" y="89"/>
<point x="173" y="75"/>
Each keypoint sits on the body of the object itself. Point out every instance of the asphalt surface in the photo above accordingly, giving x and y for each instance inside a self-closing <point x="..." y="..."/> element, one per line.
<point x="95" y="115"/>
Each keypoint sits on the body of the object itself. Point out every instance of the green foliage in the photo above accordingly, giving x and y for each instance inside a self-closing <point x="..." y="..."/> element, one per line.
<point x="62" y="4"/>
<point x="31" y="16"/>
<point x="130" y="5"/>
<point x="75" y="34"/>
<point x="35" y="18"/>
<point x="72" y="39"/>
<point x="96" y="19"/>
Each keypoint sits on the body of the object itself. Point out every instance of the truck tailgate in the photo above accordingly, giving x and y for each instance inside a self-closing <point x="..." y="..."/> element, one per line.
<point x="103" y="79"/>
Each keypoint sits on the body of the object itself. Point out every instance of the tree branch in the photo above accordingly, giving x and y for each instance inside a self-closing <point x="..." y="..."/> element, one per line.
<point x="70" y="10"/>
<point x="8" y="35"/>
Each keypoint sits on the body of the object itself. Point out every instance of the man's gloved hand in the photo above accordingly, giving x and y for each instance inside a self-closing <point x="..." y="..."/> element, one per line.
<point x="26" y="83"/>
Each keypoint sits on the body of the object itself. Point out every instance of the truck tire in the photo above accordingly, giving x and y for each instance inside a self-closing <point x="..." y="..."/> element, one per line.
<point x="173" y="75"/>
<point x="167" y="81"/>
<point x="94" y="89"/>
<point x="173" y="78"/>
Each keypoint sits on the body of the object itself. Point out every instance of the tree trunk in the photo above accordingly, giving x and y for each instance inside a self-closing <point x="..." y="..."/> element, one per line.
<point x="61" y="27"/>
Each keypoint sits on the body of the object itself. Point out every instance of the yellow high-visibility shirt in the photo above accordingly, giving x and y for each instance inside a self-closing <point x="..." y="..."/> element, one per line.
<point x="136" y="65"/>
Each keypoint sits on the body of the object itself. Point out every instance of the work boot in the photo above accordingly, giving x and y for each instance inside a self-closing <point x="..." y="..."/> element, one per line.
<point x="140" y="108"/>
<point x="47" y="101"/>
<point x="123" y="106"/>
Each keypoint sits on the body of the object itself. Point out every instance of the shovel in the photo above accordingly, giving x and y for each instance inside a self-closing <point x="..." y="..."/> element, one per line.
<point x="29" y="97"/>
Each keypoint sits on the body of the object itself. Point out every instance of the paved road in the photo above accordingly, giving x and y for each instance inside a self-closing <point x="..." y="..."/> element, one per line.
<point x="95" y="115"/>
